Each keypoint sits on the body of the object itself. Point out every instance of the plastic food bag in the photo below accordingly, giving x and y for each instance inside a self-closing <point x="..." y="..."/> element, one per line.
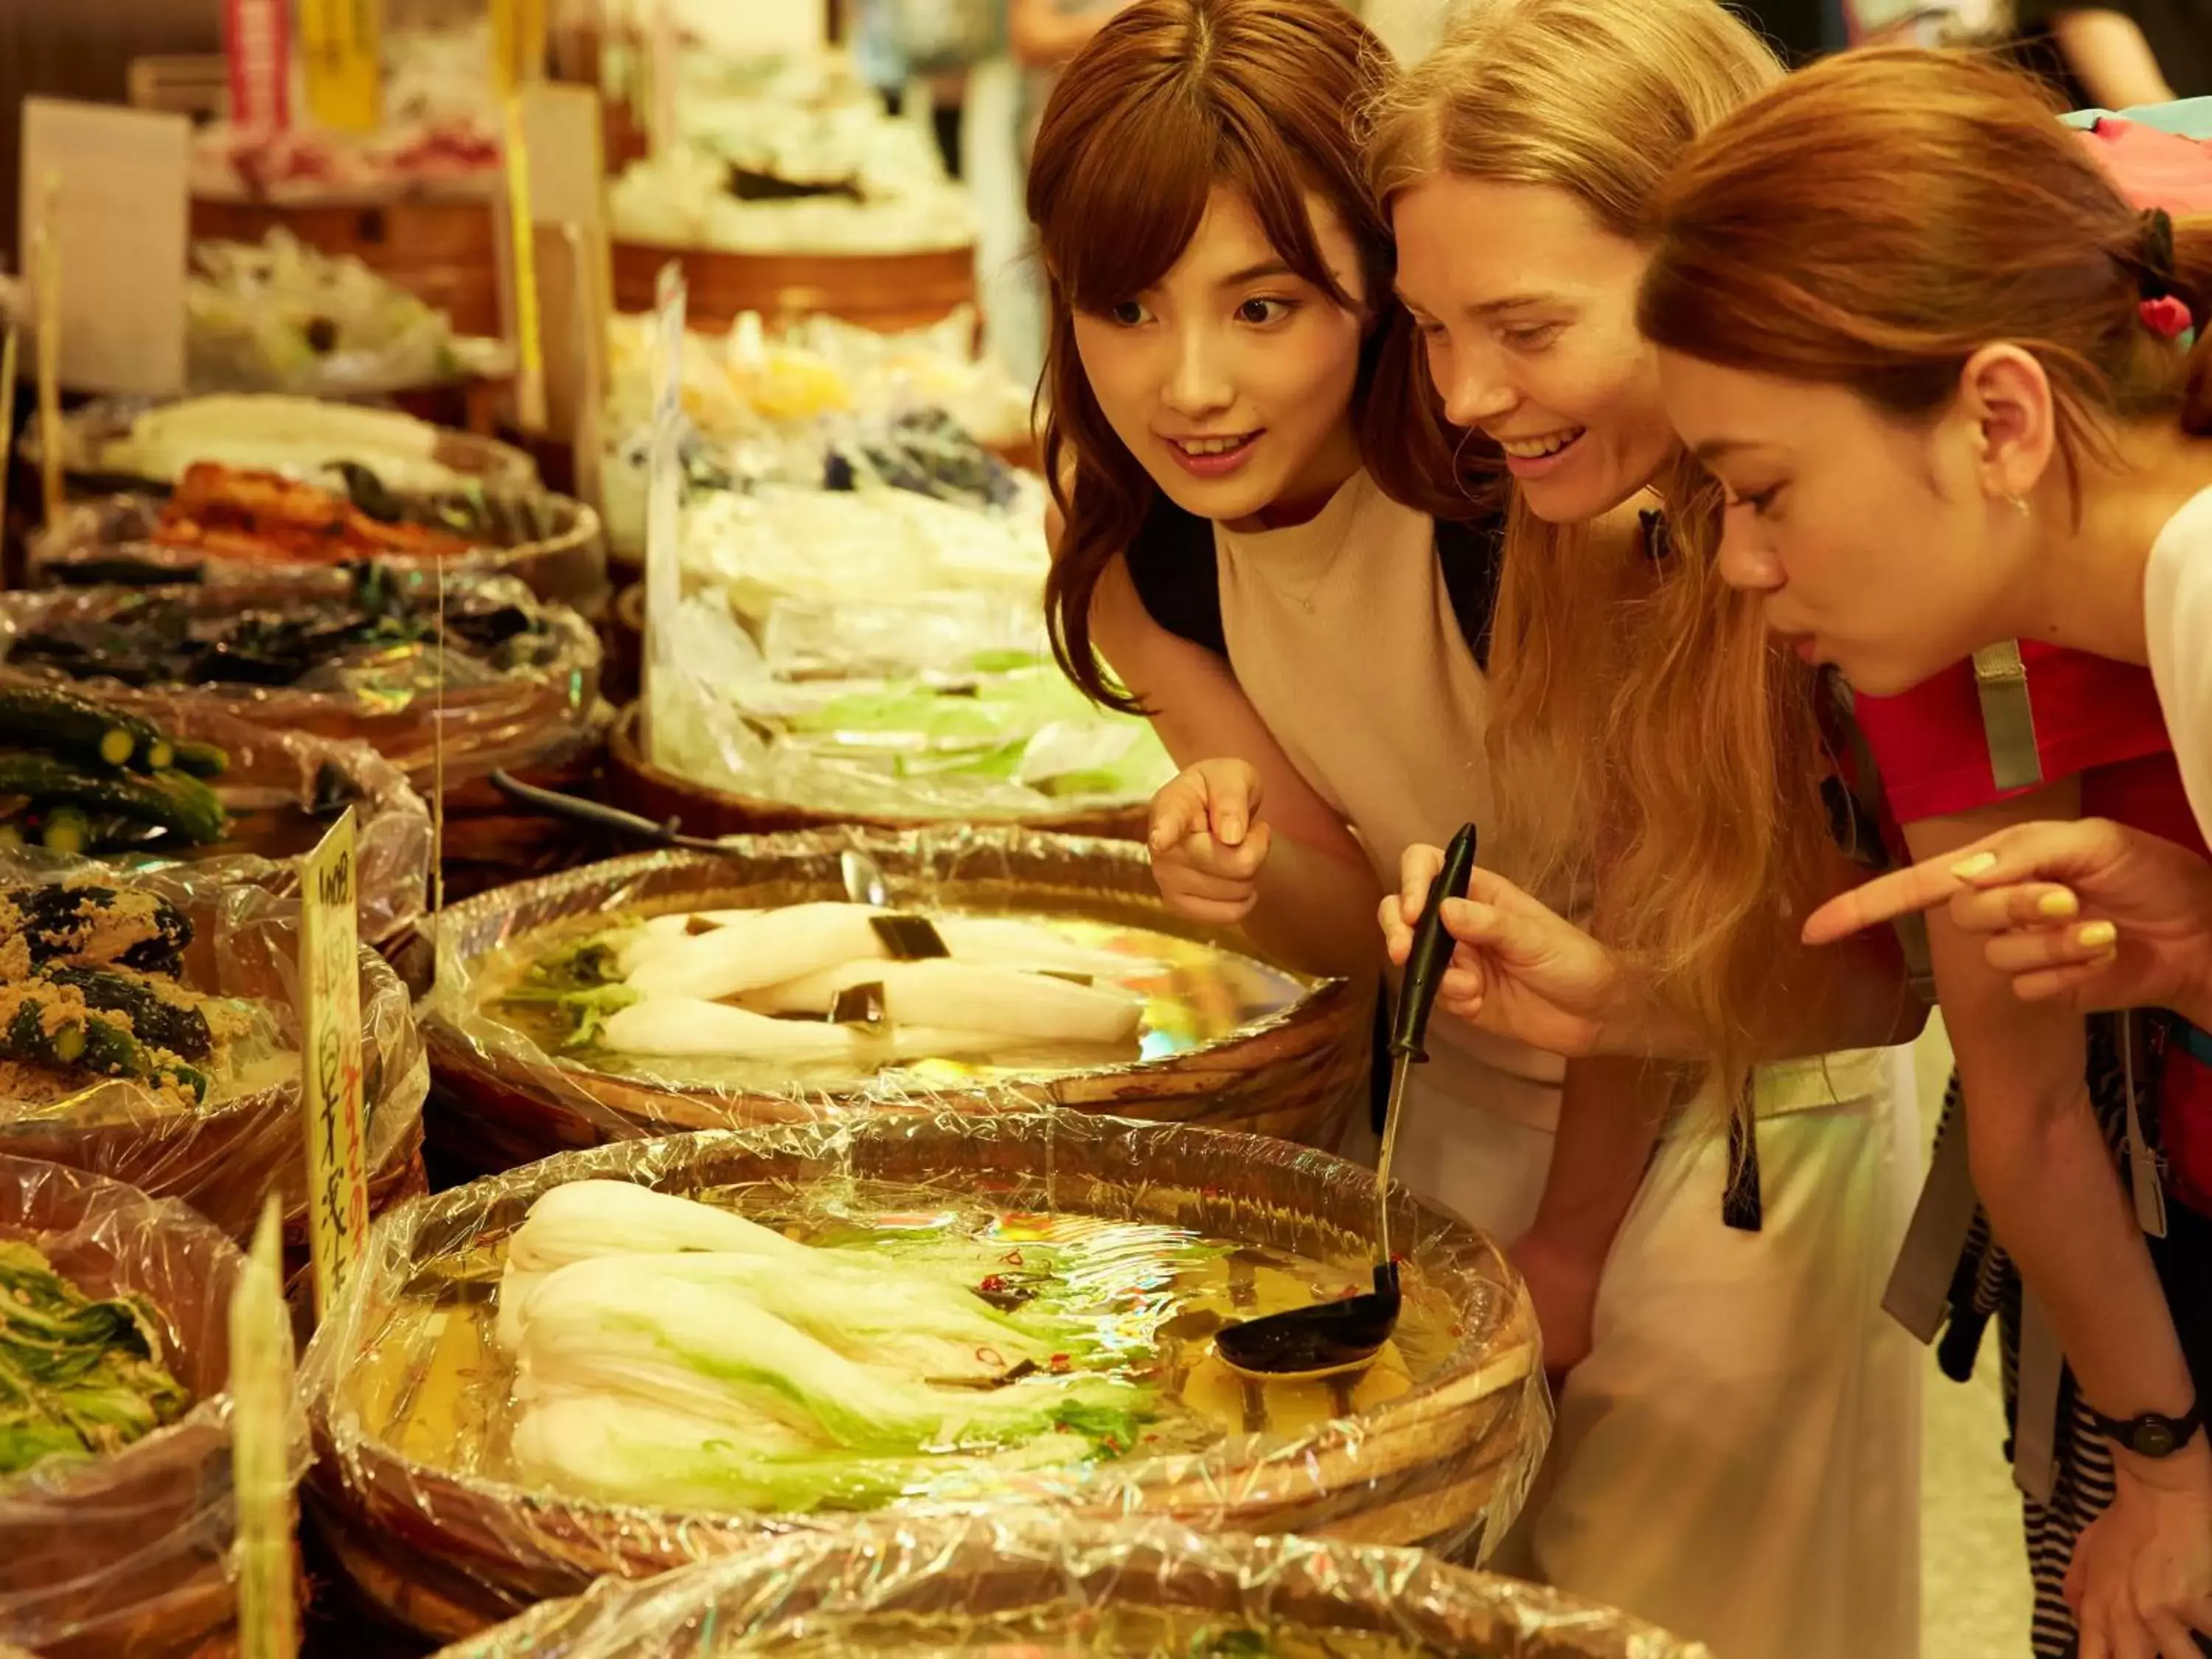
<point x="409" y="1393"/>
<point x="512" y="710"/>
<point x="224" y="1156"/>
<point x="1052" y="1587"/>
<point x="126" y="1557"/>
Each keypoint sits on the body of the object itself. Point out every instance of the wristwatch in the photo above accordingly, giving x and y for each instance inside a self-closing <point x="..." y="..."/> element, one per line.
<point x="2150" y="1435"/>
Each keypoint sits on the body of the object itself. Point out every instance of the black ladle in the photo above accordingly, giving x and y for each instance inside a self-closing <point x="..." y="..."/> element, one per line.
<point x="554" y="803"/>
<point x="1340" y="1336"/>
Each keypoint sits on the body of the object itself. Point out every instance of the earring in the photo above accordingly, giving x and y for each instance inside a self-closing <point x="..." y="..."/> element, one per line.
<point x="2019" y="506"/>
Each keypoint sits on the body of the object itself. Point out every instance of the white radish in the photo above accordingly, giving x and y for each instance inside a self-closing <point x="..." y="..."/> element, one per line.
<point x="960" y="995"/>
<point x="777" y="945"/>
<point x="692" y="1028"/>
<point x="1002" y="942"/>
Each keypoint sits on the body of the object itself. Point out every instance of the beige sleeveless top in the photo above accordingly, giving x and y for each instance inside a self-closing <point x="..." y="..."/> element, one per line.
<point x="1343" y="636"/>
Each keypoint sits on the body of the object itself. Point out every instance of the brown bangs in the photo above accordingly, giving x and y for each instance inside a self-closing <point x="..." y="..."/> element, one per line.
<point x="1125" y="165"/>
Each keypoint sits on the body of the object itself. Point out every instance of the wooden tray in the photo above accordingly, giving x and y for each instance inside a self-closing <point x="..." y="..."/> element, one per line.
<point x="1295" y="1075"/>
<point x="890" y="292"/>
<point x="443" y="250"/>
<point x="1442" y="1466"/>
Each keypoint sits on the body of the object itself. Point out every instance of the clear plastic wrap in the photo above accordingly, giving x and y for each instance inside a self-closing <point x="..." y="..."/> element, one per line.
<point x="126" y="1557"/>
<point x="548" y="542"/>
<point x="1234" y="1043"/>
<point x="1040" y="1586"/>
<point x="996" y="735"/>
<point x="533" y="715"/>
<point x="224" y="1156"/>
<point x="280" y="315"/>
<point x="284" y="789"/>
<point x="408" y="1393"/>
<point x="133" y="441"/>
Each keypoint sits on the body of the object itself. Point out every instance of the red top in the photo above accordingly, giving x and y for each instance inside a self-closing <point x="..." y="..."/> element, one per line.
<point x="2095" y="719"/>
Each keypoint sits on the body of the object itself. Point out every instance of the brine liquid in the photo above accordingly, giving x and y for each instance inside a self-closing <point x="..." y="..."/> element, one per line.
<point x="435" y="1388"/>
<point x="1194" y="994"/>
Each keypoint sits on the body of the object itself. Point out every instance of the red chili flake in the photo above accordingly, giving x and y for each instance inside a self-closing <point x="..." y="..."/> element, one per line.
<point x="1060" y="1362"/>
<point x="993" y="1285"/>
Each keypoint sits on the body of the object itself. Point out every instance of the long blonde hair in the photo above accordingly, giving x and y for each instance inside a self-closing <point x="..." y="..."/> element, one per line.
<point x="1654" y="754"/>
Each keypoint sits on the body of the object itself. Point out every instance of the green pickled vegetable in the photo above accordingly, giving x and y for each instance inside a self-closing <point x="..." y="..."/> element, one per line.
<point x="75" y="728"/>
<point x="79" y="1377"/>
<point x="175" y="801"/>
<point x="91" y="925"/>
<point x="174" y="1025"/>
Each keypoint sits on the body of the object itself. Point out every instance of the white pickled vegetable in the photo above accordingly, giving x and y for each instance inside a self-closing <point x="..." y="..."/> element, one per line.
<point x="585" y="1220"/>
<point x="776" y="946"/>
<point x="601" y="1326"/>
<point x="1003" y="942"/>
<point x="1033" y="1007"/>
<point x="630" y="1451"/>
<point x="865" y="1310"/>
<point x="686" y="1026"/>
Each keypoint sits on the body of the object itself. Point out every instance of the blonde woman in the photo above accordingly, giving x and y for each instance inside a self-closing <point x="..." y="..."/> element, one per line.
<point x="1736" y="1455"/>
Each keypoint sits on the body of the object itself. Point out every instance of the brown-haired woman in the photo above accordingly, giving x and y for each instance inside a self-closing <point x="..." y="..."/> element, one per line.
<point x="1225" y="365"/>
<point x="1942" y="365"/>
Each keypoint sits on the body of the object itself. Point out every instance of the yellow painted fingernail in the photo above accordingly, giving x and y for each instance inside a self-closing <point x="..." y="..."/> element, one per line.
<point x="2097" y="935"/>
<point x="1981" y="865"/>
<point x="2060" y="904"/>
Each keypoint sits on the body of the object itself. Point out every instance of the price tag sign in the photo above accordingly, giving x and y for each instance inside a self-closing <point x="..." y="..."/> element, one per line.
<point x="105" y="191"/>
<point x="664" y="503"/>
<point x="330" y="978"/>
<point x="342" y="51"/>
<point x="261" y="1399"/>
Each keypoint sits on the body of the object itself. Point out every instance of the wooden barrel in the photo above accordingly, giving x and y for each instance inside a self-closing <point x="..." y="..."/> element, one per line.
<point x="890" y="292"/>
<point x="639" y="785"/>
<point x="444" y="249"/>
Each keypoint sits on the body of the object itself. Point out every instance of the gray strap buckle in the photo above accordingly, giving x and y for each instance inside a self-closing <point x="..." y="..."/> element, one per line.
<point x="2008" y="716"/>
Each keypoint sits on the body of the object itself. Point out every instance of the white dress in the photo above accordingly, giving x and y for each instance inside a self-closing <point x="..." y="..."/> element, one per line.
<point x="1738" y="1460"/>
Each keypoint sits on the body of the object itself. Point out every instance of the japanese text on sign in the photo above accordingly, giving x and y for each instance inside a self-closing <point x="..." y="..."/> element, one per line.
<point x="337" y="1177"/>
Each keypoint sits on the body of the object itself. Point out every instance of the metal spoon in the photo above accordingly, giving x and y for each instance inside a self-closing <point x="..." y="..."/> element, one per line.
<point x="1331" y="1337"/>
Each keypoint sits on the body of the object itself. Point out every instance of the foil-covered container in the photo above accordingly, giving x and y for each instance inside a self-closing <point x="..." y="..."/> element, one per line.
<point x="549" y="542"/>
<point x="531" y="715"/>
<point x="413" y="1512"/>
<point x="284" y="790"/>
<point x="127" y="1556"/>
<point x="1268" y="1053"/>
<point x="1040" y="1585"/>
<point x="225" y="1157"/>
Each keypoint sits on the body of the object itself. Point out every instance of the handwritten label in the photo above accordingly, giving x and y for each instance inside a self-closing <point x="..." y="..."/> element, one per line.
<point x="664" y="504"/>
<point x="260" y="1401"/>
<point x="330" y="978"/>
<point x="257" y="46"/>
<point x="107" y="187"/>
<point x="341" y="51"/>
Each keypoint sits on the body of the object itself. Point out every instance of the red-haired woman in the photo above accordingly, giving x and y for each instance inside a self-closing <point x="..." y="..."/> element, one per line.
<point x="1944" y="369"/>
<point x="1224" y="363"/>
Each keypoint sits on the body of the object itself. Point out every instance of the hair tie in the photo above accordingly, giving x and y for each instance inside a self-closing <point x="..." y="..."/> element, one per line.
<point x="2164" y="312"/>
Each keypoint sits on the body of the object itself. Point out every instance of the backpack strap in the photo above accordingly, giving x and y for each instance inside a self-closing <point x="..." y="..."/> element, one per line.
<point x="1171" y="564"/>
<point x="1471" y="557"/>
<point x="2008" y="716"/>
